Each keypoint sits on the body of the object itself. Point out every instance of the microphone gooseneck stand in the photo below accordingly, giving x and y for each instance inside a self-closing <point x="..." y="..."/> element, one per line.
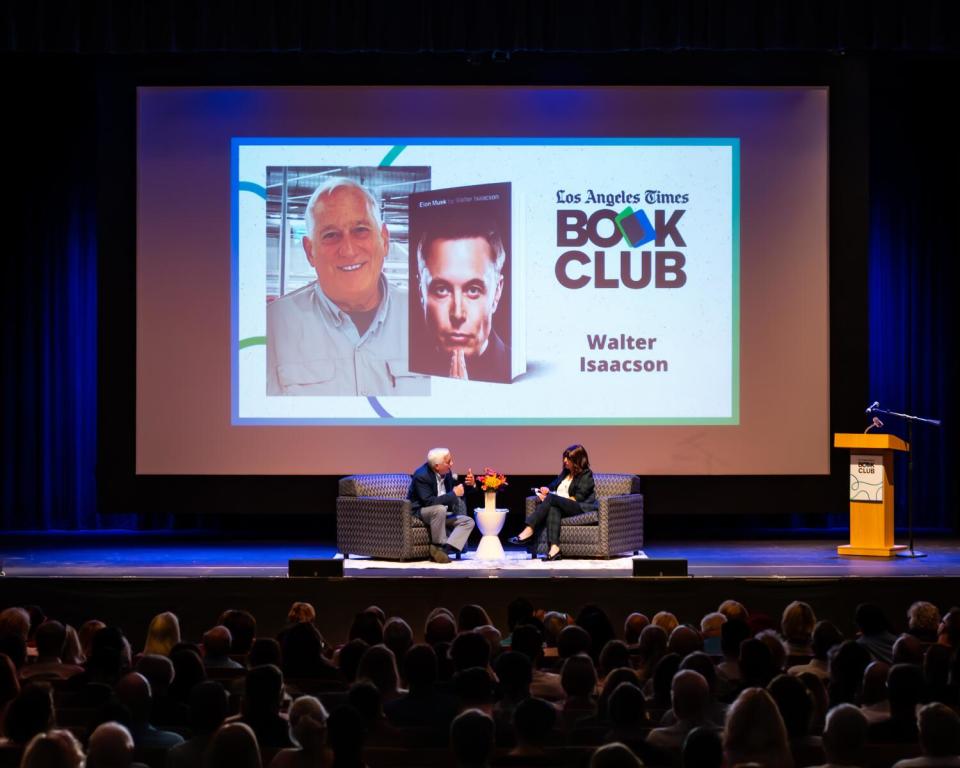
<point x="911" y="420"/>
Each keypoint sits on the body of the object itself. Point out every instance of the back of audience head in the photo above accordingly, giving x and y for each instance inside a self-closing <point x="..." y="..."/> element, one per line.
<point x="162" y="634"/>
<point x="652" y="644"/>
<point x="847" y="663"/>
<point x="700" y="662"/>
<point x="632" y="627"/>
<point x="825" y="636"/>
<point x="15" y="621"/>
<point x="702" y="748"/>
<point x="159" y="672"/>
<point x="109" y="654"/>
<point x="474" y="688"/>
<point x="795" y="704"/>
<point x="684" y="640"/>
<point x="86" y="633"/>
<point x="573" y="640"/>
<point x="923" y="618"/>
<point x="797" y="623"/>
<point x="515" y="673"/>
<point x="554" y="623"/>
<point x="778" y="653"/>
<point x="302" y="646"/>
<point x="301" y="612"/>
<point x="439" y="628"/>
<point x="939" y="728"/>
<point x="50" y="638"/>
<point x="578" y="676"/>
<point x="732" y="634"/>
<point x="188" y="670"/>
<point x="615" y="654"/>
<point x="234" y="745"/>
<point x="308" y="724"/>
<point x="348" y="658"/>
<point x="614" y="755"/>
<point x="533" y="721"/>
<point x="874" y="688"/>
<point x="870" y="619"/>
<point x="689" y="695"/>
<point x="471" y="738"/>
<point x="711" y="624"/>
<point x="519" y="611"/>
<point x="755" y="731"/>
<point x="29" y="713"/>
<point x="493" y="637"/>
<point x="397" y="636"/>
<point x="598" y="625"/>
<point x="217" y="642"/>
<point x="470" y="649"/>
<point x="904" y="689"/>
<point x="663" y="674"/>
<point x="379" y="666"/>
<point x="907" y="649"/>
<point x="845" y="735"/>
<point x="110" y="746"/>
<point x="263" y="692"/>
<point x="420" y="668"/>
<point x="133" y="691"/>
<point x="209" y="706"/>
<point x="528" y="640"/>
<point x="470" y="617"/>
<point x="243" y="629"/>
<point x="734" y="611"/>
<point x="57" y="748"/>
<point x="365" y="697"/>
<point x="626" y="708"/>
<point x="368" y="627"/>
<point x="666" y="621"/>
<point x="72" y="652"/>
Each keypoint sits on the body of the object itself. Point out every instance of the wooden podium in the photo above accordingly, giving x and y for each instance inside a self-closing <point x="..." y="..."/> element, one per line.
<point x="871" y="493"/>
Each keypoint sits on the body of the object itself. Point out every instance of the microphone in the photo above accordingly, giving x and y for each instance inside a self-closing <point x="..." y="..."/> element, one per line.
<point x="876" y="404"/>
<point x="454" y="476"/>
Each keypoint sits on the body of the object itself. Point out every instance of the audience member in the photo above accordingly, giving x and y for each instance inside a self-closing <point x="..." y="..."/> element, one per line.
<point x="208" y="710"/>
<point x="757" y="665"/>
<point x="439" y="627"/>
<point x="666" y="621"/>
<point x="424" y="705"/>
<point x="472" y="739"/>
<point x="874" y="630"/>
<point x="778" y="651"/>
<point x="263" y="695"/>
<point x="847" y="663"/>
<point x="936" y="674"/>
<point x="923" y="619"/>
<point x="844" y="737"/>
<point x="598" y="625"/>
<point x="755" y="732"/>
<point x="234" y="745"/>
<point x="86" y="633"/>
<point x="703" y="748"/>
<point x="367" y="700"/>
<point x="29" y="713"/>
<point x="908" y="649"/>
<point x="729" y="675"/>
<point x="162" y="634"/>
<point x="650" y="649"/>
<point x="734" y="611"/>
<point x="50" y="638"/>
<point x="159" y="673"/>
<point x="796" y="626"/>
<point x="302" y="654"/>
<point x="905" y="691"/>
<point x="265" y="650"/>
<point x="939" y="728"/>
<point x="528" y="640"/>
<point x="308" y="732"/>
<point x="825" y="636"/>
<point x="111" y="746"/>
<point x="188" y="671"/>
<point x="348" y="658"/>
<point x="53" y="749"/>
<point x="628" y="723"/>
<point x="710" y="628"/>
<point x="948" y="633"/>
<point x="533" y="722"/>
<point x="217" y="643"/>
<point x="471" y="617"/>
<point x="368" y="627"/>
<point x="615" y="755"/>
<point x="243" y="629"/>
<point x="795" y="705"/>
<point x="572" y="640"/>
<point x="397" y="636"/>
<point x="579" y="680"/>
<point x="873" y="696"/>
<point x="346" y="734"/>
<point x="133" y="692"/>
<point x="689" y="697"/>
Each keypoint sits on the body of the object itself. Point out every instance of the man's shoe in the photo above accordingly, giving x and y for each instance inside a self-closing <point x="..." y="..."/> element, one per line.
<point x="438" y="555"/>
<point x="452" y="551"/>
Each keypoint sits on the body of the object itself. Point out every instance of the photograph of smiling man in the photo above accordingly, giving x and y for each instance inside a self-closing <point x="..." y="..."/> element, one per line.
<point x="339" y="323"/>
<point x="460" y="283"/>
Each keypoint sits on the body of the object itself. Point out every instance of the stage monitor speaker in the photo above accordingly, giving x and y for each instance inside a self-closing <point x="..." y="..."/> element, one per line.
<point x="311" y="569"/>
<point x="659" y="566"/>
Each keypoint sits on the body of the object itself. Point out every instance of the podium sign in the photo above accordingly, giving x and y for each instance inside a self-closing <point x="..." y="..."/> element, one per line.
<point x="871" y="493"/>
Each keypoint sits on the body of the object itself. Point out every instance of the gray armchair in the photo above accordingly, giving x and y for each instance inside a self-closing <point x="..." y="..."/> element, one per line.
<point x="616" y="528"/>
<point x="373" y="519"/>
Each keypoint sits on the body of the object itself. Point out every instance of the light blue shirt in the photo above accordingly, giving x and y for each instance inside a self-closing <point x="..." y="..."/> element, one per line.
<point x="314" y="347"/>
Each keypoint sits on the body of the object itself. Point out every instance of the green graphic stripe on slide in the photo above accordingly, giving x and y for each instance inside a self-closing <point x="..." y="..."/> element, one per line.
<point x="392" y="155"/>
<point x="252" y="341"/>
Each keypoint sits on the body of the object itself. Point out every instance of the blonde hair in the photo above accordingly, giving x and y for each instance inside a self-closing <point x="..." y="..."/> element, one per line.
<point x="755" y="732"/>
<point x="162" y="634"/>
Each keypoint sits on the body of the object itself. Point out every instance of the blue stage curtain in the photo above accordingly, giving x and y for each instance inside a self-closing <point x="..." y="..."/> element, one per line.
<point x="912" y="298"/>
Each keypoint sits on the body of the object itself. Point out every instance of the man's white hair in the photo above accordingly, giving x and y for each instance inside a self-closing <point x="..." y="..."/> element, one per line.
<point x="437" y="455"/>
<point x="331" y="185"/>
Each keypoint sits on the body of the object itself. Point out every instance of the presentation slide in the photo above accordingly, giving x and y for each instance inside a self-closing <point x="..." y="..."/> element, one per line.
<point x="620" y="291"/>
<point x="335" y="279"/>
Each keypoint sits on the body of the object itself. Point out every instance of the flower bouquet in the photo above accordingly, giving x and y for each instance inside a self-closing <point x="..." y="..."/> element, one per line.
<point x="490" y="482"/>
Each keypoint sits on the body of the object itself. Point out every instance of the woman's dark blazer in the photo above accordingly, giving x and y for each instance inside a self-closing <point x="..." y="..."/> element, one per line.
<point x="581" y="488"/>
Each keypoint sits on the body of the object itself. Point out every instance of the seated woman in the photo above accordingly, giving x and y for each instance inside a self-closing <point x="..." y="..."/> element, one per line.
<point x="570" y="494"/>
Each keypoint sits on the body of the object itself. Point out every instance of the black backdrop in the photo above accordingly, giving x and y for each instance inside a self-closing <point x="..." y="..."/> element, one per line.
<point x="69" y="80"/>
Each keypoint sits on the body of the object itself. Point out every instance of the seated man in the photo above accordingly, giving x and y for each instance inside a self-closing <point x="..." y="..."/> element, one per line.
<point x="439" y="504"/>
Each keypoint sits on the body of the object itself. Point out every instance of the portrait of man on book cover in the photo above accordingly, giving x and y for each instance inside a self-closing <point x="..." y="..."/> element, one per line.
<point x="460" y="307"/>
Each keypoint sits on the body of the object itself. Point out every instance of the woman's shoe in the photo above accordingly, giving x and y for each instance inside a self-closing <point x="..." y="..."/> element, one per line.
<point x="553" y="558"/>
<point x="517" y="541"/>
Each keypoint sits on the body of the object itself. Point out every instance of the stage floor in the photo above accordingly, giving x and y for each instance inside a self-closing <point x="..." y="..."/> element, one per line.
<point x="132" y="557"/>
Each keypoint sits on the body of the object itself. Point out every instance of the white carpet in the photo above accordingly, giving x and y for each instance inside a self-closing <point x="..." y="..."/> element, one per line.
<point x="514" y="563"/>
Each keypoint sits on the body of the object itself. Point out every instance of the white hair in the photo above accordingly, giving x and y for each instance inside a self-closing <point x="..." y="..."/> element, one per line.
<point x="437" y="455"/>
<point x="331" y="185"/>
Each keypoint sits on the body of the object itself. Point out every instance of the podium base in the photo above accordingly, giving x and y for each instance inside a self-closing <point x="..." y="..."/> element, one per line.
<point x="848" y="550"/>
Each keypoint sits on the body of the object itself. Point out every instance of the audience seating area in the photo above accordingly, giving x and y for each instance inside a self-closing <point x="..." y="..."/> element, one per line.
<point x="557" y="686"/>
